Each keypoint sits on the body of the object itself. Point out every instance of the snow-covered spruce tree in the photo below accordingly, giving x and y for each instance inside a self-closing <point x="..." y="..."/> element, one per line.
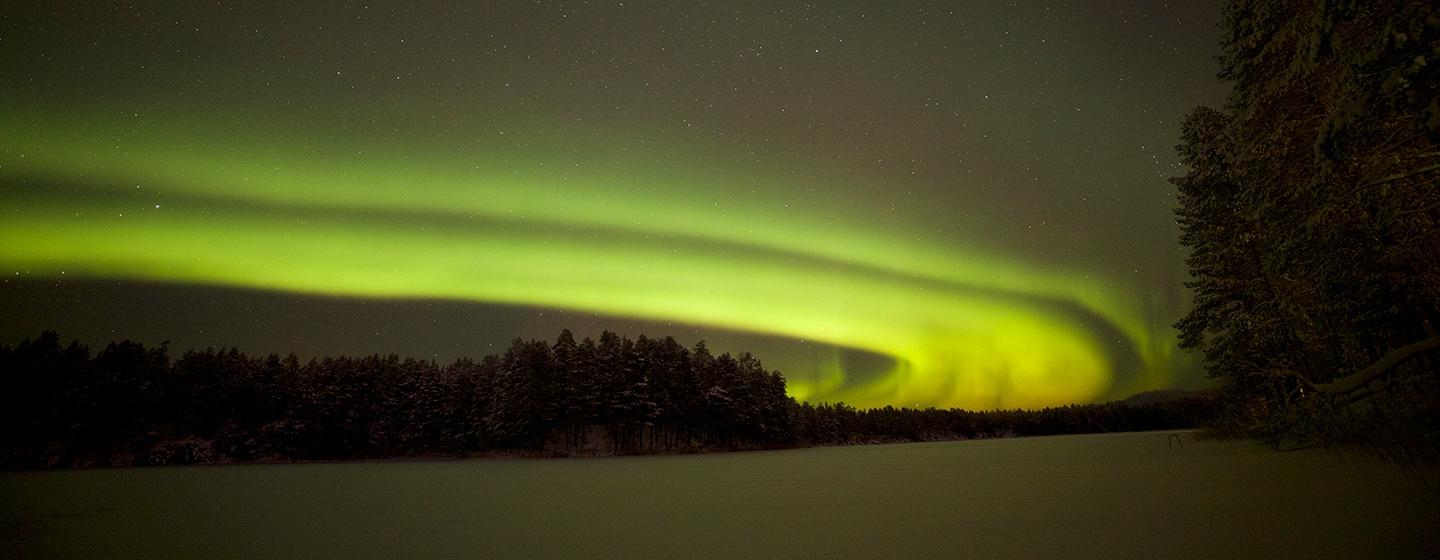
<point x="1311" y="211"/>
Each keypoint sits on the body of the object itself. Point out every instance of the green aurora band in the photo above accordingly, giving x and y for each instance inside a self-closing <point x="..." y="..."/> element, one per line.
<point x="224" y="204"/>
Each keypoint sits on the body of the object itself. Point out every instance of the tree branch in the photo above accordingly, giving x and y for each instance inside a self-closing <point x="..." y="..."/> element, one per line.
<point x="1396" y="177"/>
<point x="1387" y="362"/>
<point x="1419" y="210"/>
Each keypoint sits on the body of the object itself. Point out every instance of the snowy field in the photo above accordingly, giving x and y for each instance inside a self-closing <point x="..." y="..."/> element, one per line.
<point x="1096" y="496"/>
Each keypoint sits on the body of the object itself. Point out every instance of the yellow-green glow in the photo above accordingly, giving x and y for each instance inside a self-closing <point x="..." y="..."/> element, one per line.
<point x="966" y="327"/>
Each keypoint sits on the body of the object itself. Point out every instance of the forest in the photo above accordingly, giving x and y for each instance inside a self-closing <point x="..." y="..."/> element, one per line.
<point x="129" y="404"/>
<point x="1311" y="211"/>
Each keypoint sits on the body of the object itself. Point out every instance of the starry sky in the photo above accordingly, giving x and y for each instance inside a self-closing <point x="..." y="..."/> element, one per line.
<point x="908" y="203"/>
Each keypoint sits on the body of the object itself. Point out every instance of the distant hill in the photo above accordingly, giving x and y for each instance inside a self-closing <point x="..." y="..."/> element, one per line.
<point x="1164" y="396"/>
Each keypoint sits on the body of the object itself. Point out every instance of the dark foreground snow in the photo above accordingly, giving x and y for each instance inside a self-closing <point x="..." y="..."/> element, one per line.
<point x="1097" y="496"/>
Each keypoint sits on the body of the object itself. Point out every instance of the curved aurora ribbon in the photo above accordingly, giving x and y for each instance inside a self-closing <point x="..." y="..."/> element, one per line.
<point x="964" y="328"/>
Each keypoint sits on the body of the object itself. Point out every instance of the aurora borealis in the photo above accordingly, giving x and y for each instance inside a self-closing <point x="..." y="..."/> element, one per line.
<point x="977" y="196"/>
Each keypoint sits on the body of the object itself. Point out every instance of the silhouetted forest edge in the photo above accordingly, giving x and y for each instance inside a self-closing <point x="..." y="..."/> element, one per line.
<point x="129" y="404"/>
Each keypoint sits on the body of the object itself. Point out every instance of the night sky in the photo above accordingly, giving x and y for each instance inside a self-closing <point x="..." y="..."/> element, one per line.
<point x="952" y="204"/>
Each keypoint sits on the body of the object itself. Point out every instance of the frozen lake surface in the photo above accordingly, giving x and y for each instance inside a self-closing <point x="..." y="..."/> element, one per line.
<point x="1094" y="496"/>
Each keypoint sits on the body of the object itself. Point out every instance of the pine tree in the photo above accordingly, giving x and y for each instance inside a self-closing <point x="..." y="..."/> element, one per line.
<point x="1310" y="211"/>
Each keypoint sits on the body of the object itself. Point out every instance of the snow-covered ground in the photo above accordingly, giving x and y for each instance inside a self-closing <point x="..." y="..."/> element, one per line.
<point x="1097" y="496"/>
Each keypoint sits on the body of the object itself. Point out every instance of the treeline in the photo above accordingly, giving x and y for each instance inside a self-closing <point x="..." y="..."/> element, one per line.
<point x="1312" y="213"/>
<point x="128" y="404"/>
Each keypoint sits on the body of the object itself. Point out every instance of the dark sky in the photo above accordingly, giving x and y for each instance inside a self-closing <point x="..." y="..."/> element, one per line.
<point x="892" y="202"/>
